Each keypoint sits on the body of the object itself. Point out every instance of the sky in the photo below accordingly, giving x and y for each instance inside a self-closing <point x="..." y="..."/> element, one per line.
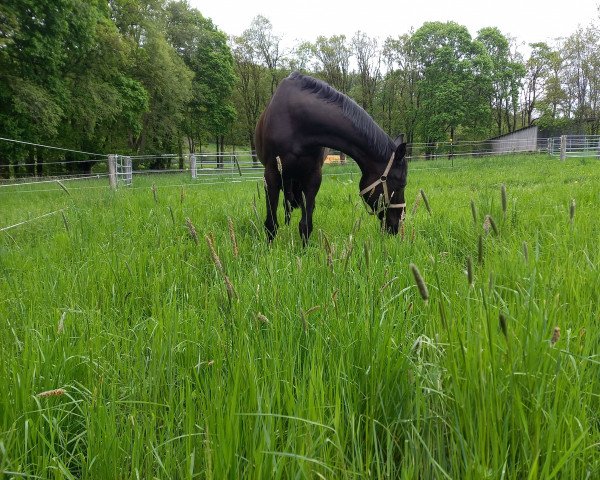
<point x="526" y="20"/>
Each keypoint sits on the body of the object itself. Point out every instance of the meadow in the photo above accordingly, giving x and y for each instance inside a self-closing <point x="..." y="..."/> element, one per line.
<point x="153" y="333"/>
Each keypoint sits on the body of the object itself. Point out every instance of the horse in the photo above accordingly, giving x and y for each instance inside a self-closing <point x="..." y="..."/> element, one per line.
<point x="304" y="118"/>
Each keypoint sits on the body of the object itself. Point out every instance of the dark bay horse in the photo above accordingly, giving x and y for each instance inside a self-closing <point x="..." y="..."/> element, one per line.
<point x="303" y="118"/>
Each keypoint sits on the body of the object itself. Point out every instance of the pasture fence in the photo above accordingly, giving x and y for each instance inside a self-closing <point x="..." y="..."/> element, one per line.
<point x="450" y="149"/>
<point x="574" y="146"/>
<point x="48" y="164"/>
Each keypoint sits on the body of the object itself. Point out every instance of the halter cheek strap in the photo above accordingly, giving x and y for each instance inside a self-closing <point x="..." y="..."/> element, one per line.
<point x="383" y="180"/>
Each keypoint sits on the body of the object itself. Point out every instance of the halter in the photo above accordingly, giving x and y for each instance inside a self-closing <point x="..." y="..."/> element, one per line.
<point x="383" y="180"/>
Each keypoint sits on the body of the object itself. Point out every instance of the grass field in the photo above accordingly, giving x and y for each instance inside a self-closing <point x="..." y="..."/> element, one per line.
<point x="317" y="362"/>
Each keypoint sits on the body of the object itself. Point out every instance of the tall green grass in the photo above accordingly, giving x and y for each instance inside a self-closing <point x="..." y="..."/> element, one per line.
<point x="325" y="361"/>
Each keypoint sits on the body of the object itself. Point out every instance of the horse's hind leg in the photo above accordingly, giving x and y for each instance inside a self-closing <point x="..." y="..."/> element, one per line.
<point x="272" y="188"/>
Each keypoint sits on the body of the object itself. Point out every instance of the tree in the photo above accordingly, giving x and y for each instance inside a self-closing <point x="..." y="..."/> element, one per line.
<point x="400" y="98"/>
<point x="332" y="55"/>
<point x="506" y="75"/>
<point x="267" y="46"/>
<point x="253" y="86"/>
<point x="536" y="72"/>
<point x="455" y="87"/>
<point x="205" y="51"/>
<point x="581" y="55"/>
<point x="103" y="100"/>
<point x="368" y="59"/>
<point x="156" y="65"/>
<point x="32" y="87"/>
<point x="552" y="105"/>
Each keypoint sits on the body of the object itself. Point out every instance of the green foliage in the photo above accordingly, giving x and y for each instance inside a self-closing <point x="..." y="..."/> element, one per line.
<point x="210" y="112"/>
<point x="455" y="86"/>
<point x="111" y="77"/>
<point x="506" y="75"/>
<point x="332" y="60"/>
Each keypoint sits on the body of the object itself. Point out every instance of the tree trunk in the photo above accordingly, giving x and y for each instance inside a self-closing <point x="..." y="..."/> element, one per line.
<point x="180" y="144"/>
<point x="30" y="167"/>
<point x="4" y="166"/>
<point x="40" y="164"/>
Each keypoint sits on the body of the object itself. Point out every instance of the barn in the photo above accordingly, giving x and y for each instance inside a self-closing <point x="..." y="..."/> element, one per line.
<point x="522" y="140"/>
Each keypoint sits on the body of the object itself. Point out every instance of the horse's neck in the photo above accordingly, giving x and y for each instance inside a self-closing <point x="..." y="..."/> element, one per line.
<point x="352" y="144"/>
<point x="344" y="136"/>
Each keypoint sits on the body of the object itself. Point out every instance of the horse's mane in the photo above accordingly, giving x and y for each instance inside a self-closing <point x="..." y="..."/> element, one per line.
<point x="360" y="119"/>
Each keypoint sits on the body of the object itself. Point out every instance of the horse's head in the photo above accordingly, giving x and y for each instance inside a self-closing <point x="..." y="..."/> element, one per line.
<point x="384" y="191"/>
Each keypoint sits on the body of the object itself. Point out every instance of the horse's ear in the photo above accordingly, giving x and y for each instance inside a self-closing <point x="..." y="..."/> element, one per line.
<point x="399" y="140"/>
<point x="400" y="152"/>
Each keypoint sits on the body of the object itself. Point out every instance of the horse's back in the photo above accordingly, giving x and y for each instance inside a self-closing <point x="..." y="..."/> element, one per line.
<point x="274" y="129"/>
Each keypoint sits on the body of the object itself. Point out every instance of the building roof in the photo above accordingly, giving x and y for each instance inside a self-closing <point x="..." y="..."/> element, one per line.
<point x="513" y="132"/>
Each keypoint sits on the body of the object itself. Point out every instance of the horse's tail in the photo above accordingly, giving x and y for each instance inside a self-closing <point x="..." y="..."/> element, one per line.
<point x="258" y="137"/>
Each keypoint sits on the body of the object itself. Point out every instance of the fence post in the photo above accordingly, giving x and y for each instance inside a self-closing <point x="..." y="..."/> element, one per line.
<point x="193" y="165"/>
<point x="563" y="147"/>
<point x="128" y="171"/>
<point x="112" y="171"/>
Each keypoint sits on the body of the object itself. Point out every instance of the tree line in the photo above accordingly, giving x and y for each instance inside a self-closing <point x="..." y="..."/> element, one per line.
<point x="146" y="77"/>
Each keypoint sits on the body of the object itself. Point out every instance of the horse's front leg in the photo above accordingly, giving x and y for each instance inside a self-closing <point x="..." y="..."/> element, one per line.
<point x="272" y="188"/>
<point x="307" y="203"/>
<point x="287" y="207"/>
<point x="288" y="198"/>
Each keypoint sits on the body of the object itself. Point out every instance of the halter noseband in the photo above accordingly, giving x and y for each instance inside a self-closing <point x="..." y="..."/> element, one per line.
<point x="383" y="180"/>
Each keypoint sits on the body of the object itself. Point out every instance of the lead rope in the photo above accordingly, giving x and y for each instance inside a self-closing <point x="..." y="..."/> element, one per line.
<point x="386" y="197"/>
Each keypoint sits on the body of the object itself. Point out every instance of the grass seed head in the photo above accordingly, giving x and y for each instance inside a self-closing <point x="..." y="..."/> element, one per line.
<point x="172" y="214"/>
<point x="474" y="212"/>
<point x="328" y="250"/>
<point x="470" y="271"/>
<point x="52" y="393"/>
<point x="65" y="221"/>
<point x="420" y="282"/>
<point x="213" y="253"/>
<point x="493" y="224"/>
<point x="155" y="193"/>
<point x="192" y="230"/>
<point x="486" y="224"/>
<point x="279" y="165"/>
<point x="416" y="204"/>
<point x="555" y="336"/>
<point x="262" y="319"/>
<point x="572" y="210"/>
<point x="63" y="187"/>
<point x="232" y="236"/>
<point x="304" y="321"/>
<point x="503" y="197"/>
<point x="426" y="201"/>
<point x="61" y="323"/>
<point x="231" y="294"/>
<point x="503" y="325"/>
<point x="489" y="222"/>
<point x="526" y="251"/>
